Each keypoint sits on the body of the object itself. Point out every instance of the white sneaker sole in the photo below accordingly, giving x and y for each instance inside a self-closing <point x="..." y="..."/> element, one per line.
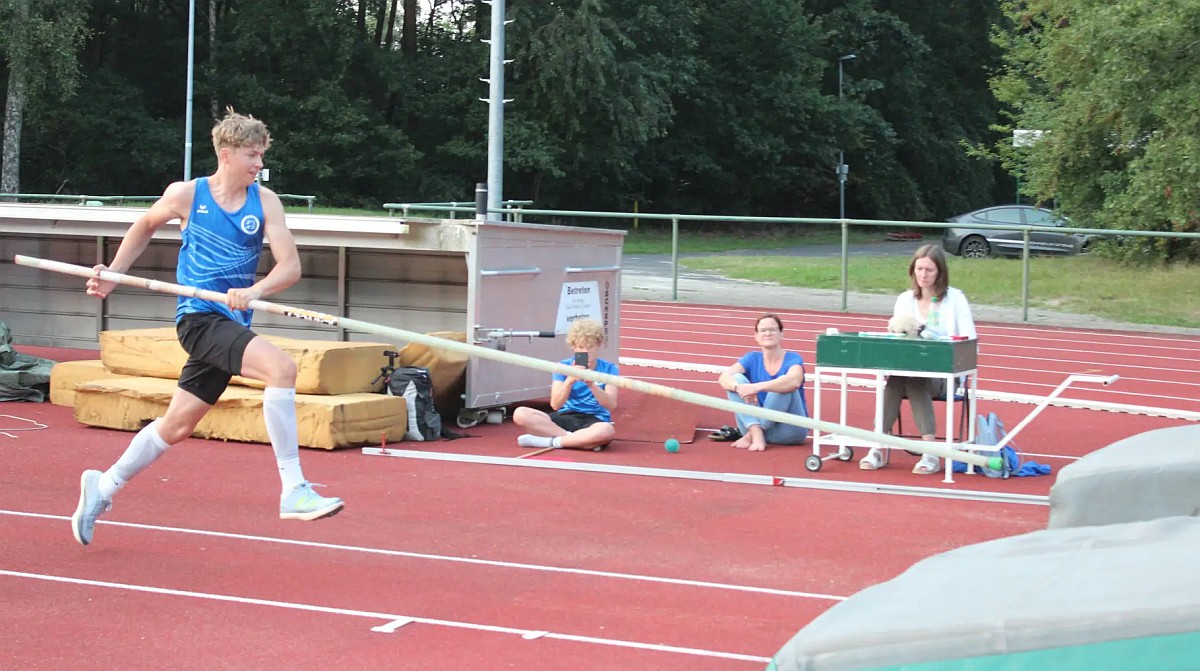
<point x="327" y="511"/>
<point x="77" y="518"/>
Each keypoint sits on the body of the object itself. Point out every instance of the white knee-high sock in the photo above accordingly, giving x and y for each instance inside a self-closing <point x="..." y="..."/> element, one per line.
<point x="279" y="412"/>
<point x="145" y="448"/>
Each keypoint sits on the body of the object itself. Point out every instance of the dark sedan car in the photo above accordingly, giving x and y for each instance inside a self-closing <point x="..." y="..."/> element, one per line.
<point x="979" y="243"/>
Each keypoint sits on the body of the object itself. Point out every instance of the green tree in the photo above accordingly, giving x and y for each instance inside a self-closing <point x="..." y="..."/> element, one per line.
<point x="591" y="86"/>
<point x="754" y="129"/>
<point x="39" y="40"/>
<point x="326" y="103"/>
<point x="1114" y="88"/>
<point x="916" y="92"/>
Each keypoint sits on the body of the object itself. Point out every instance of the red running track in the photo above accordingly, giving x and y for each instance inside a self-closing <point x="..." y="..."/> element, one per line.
<point x="504" y="567"/>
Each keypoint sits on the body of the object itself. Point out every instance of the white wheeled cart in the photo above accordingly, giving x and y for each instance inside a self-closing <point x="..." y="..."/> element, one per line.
<point x="867" y="359"/>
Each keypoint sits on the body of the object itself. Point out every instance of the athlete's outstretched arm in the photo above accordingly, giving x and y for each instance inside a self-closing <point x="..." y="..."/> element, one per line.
<point x="175" y="203"/>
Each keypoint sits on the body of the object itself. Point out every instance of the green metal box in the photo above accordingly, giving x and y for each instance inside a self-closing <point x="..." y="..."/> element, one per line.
<point x="890" y="352"/>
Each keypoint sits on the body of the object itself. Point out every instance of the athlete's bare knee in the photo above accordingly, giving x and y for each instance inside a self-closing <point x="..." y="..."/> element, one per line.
<point x="284" y="372"/>
<point x="174" y="430"/>
<point x="264" y="361"/>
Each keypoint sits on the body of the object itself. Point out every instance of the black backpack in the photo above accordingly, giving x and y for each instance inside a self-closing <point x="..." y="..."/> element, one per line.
<point x="415" y="386"/>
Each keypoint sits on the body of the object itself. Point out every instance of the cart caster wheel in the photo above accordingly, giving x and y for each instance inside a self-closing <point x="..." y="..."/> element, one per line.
<point x="813" y="463"/>
<point x="496" y="415"/>
<point x="468" y="418"/>
<point x="847" y="454"/>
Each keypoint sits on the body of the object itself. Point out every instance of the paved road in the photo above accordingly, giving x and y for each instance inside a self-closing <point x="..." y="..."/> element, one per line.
<point x="648" y="277"/>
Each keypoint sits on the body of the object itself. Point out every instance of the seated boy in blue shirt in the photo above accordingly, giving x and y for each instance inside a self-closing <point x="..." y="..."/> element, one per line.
<point x="582" y="417"/>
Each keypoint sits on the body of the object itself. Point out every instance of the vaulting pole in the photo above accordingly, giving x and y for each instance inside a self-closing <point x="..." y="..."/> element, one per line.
<point x="936" y="449"/>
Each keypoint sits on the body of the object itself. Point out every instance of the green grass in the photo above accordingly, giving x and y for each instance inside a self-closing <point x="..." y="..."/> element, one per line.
<point x="656" y="239"/>
<point x="1087" y="285"/>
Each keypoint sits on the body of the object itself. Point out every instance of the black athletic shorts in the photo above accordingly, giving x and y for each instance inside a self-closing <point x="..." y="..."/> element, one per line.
<point x="573" y="421"/>
<point x="215" y="345"/>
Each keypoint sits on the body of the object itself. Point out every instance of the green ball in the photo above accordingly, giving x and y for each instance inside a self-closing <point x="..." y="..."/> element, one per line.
<point x="672" y="445"/>
<point x="996" y="463"/>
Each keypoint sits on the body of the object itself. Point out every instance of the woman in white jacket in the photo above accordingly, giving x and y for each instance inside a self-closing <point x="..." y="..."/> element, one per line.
<point x="938" y="309"/>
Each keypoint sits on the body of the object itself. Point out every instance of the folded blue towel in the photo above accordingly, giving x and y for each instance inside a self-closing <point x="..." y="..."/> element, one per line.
<point x="1013" y="466"/>
<point x="1029" y="468"/>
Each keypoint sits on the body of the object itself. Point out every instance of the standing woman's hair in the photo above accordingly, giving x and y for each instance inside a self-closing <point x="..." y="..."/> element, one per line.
<point x="935" y="254"/>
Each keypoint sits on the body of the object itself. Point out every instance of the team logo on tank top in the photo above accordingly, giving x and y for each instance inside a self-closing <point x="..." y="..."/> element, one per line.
<point x="250" y="224"/>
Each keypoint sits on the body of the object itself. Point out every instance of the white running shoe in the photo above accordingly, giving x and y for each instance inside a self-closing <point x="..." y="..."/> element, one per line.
<point x="302" y="503"/>
<point x="91" y="507"/>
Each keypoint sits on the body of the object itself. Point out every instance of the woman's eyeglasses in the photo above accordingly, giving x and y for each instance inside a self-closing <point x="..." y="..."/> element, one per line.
<point x="768" y="331"/>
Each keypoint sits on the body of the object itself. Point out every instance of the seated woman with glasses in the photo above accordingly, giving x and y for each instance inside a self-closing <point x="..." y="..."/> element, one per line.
<point x="770" y="377"/>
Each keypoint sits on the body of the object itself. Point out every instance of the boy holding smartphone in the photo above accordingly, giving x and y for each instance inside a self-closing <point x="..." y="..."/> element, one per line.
<point x="582" y="417"/>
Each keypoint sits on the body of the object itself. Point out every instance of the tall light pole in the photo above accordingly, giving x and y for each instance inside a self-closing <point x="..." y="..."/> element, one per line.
<point x="496" y="100"/>
<point x="842" y="168"/>
<point x="842" y="171"/>
<point x="187" y="114"/>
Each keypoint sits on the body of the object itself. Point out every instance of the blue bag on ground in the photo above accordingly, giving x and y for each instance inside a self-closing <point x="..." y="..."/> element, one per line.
<point x="989" y="430"/>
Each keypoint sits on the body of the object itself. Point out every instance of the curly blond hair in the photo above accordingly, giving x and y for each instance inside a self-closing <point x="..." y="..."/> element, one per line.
<point x="585" y="333"/>
<point x="239" y="130"/>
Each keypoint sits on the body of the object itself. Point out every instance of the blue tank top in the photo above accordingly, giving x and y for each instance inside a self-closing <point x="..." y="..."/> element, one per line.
<point x="220" y="251"/>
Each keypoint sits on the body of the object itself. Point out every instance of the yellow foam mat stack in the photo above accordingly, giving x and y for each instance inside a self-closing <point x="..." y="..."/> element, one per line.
<point x="336" y="405"/>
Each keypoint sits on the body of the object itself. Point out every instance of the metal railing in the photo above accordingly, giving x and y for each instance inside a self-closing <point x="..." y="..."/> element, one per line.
<point x="83" y="199"/>
<point x="845" y="225"/>
<point x="512" y="209"/>
<point x="308" y="200"/>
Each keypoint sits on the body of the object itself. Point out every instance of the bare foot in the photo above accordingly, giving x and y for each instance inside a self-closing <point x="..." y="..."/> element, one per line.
<point x="757" y="447"/>
<point x="742" y="443"/>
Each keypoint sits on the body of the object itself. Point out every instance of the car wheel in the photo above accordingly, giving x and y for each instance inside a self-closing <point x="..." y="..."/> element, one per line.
<point x="976" y="247"/>
<point x="1086" y="247"/>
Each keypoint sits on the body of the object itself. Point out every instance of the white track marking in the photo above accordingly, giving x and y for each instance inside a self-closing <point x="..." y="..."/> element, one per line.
<point x="712" y="476"/>
<point x="391" y="627"/>
<point x="988" y="355"/>
<point x="446" y="558"/>
<point x="389" y="618"/>
<point x="983" y="395"/>
<point x="30" y="425"/>
<point x="654" y="311"/>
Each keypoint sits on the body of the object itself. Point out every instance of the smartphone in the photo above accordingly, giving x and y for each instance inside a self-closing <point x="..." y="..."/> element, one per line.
<point x="581" y="359"/>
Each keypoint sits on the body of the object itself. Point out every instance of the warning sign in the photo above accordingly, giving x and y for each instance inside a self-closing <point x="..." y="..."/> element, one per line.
<point x="579" y="300"/>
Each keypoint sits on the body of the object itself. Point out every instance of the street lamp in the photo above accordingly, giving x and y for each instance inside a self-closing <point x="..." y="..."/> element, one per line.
<point x="842" y="168"/>
<point x="187" y="114"/>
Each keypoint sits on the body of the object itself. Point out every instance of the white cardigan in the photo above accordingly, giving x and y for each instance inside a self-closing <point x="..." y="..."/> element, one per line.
<point x="954" y="313"/>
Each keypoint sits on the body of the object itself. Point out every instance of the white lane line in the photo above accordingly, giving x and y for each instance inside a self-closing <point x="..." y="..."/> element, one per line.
<point x="987" y="351"/>
<point x="982" y="394"/>
<point x="654" y="312"/>
<point x="447" y="558"/>
<point x="712" y="476"/>
<point x="388" y="618"/>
